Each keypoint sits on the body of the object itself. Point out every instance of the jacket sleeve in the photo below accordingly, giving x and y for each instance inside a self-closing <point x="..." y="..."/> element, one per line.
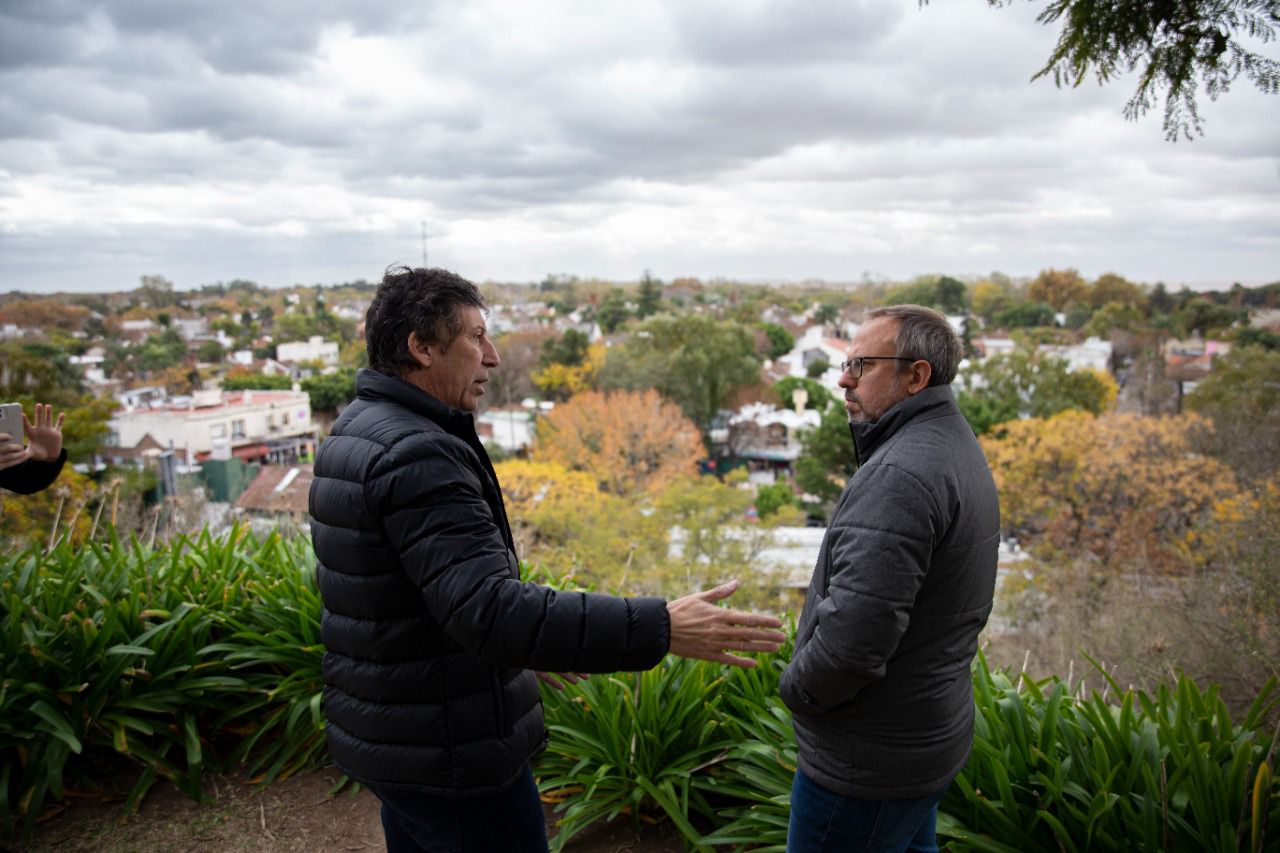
<point x="33" y="475"/>
<point x="880" y="552"/>
<point x="436" y="517"/>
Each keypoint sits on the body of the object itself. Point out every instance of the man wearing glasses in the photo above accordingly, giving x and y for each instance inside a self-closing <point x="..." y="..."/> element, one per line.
<point x="879" y="684"/>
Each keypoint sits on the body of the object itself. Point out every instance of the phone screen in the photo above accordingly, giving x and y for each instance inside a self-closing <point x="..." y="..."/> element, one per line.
<point x="11" y="422"/>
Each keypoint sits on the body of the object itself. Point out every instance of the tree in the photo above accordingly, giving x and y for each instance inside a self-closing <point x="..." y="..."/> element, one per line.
<point x="774" y="498"/>
<point x="714" y="530"/>
<point x="628" y="441"/>
<point x="989" y="299"/>
<point x="156" y="291"/>
<point x="694" y="360"/>
<point x="1178" y="46"/>
<point x="1028" y="384"/>
<point x="612" y="312"/>
<point x="649" y="301"/>
<point x="1058" y="288"/>
<point x="160" y="351"/>
<point x="1122" y="490"/>
<point x="44" y="314"/>
<point x="817" y="367"/>
<point x="210" y="352"/>
<point x="562" y="381"/>
<point x="245" y="379"/>
<point x="570" y="348"/>
<point x="561" y="520"/>
<point x="1110" y="288"/>
<point x="1025" y="315"/>
<point x="330" y="392"/>
<point x="1242" y="396"/>
<point x="826" y="313"/>
<point x="780" y="340"/>
<point x="826" y="461"/>
<point x="520" y="351"/>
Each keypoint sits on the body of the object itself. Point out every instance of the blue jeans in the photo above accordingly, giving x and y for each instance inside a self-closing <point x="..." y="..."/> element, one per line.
<point x="507" y="822"/>
<point x="823" y="822"/>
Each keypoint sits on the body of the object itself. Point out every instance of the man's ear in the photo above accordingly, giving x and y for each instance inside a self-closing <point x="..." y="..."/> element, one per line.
<point x="421" y="351"/>
<point x="918" y="376"/>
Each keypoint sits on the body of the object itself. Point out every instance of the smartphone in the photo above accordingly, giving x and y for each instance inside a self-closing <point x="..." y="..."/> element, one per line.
<point x="11" y="422"/>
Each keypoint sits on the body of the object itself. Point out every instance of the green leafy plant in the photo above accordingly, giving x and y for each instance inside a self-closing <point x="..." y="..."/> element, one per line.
<point x="631" y="744"/>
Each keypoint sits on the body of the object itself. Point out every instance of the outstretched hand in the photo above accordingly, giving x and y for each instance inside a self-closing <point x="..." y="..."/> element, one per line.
<point x="700" y="629"/>
<point x="44" y="437"/>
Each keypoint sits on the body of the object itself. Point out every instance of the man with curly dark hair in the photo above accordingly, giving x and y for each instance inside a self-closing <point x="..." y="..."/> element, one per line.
<point x="434" y="645"/>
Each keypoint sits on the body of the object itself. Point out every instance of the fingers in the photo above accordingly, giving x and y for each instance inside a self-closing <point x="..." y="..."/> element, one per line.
<point x="720" y="592"/>
<point x="755" y="620"/>
<point x="549" y="679"/>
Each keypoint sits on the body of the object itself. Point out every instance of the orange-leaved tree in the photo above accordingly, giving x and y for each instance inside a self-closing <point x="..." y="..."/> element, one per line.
<point x="629" y="441"/>
<point x="1123" y="490"/>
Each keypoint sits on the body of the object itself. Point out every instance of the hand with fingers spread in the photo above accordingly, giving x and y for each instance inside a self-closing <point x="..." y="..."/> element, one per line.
<point x="700" y="629"/>
<point x="44" y="437"/>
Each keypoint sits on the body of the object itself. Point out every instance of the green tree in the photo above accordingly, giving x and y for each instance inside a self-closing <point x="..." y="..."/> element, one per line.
<point x="612" y="312"/>
<point x="826" y="313"/>
<point x="1202" y="317"/>
<point x="649" y="301"/>
<point x="210" y="351"/>
<point x="780" y="340"/>
<point x="330" y="391"/>
<point x="162" y="350"/>
<point x="1025" y="315"/>
<point x="695" y="360"/>
<point x="773" y="498"/>
<point x="1242" y="397"/>
<point x="247" y="381"/>
<point x="1250" y="336"/>
<point x="569" y="349"/>
<point x="817" y="367"/>
<point x="1174" y="47"/>
<point x="1027" y="384"/>
<point x="827" y="460"/>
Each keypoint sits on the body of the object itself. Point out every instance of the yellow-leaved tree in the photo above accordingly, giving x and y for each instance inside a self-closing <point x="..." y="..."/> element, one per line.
<point x="1122" y="490"/>
<point x="628" y="441"/>
<point x="562" y="521"/>
<point x="562" y="381"/>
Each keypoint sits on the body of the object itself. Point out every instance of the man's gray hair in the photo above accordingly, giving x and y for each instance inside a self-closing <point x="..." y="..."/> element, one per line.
<point x="924" y="333"/>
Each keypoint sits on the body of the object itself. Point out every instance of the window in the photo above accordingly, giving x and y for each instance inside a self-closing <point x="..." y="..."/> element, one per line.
<point x="237" y="428"/>
<point x="218" y="430"/>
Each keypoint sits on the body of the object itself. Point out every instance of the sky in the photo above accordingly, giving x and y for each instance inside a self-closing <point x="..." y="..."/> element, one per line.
<point x="315" y="141"/>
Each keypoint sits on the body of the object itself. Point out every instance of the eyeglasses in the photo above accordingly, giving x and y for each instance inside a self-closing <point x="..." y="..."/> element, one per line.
<point x="854" y="366"/>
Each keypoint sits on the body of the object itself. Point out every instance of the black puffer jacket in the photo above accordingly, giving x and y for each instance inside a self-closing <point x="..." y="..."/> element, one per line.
<point x="879" y="682"/>
<point x="429" y="634"/>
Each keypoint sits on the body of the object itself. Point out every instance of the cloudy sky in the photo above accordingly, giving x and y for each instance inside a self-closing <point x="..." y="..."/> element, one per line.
<point x="309" y="140"/>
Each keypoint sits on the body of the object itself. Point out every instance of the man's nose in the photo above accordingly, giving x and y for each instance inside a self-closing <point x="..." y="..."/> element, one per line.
<point x="491" y="355"/>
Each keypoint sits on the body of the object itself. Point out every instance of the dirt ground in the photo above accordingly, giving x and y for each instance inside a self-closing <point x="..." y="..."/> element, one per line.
<point x="297" y="814"/>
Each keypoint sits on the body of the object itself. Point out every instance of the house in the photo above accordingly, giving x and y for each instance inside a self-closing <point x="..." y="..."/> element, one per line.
<point x="273" y="427"/>
<point x="314" y="348"/>
<point x="768" y="438"/>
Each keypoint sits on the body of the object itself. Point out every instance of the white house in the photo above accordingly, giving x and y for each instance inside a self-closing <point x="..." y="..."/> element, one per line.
<point x="273" y="426"/>
<point x="314" y="348"/>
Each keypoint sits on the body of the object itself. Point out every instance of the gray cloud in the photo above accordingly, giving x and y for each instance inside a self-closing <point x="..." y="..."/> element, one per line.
<point x="724" y="138"/>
